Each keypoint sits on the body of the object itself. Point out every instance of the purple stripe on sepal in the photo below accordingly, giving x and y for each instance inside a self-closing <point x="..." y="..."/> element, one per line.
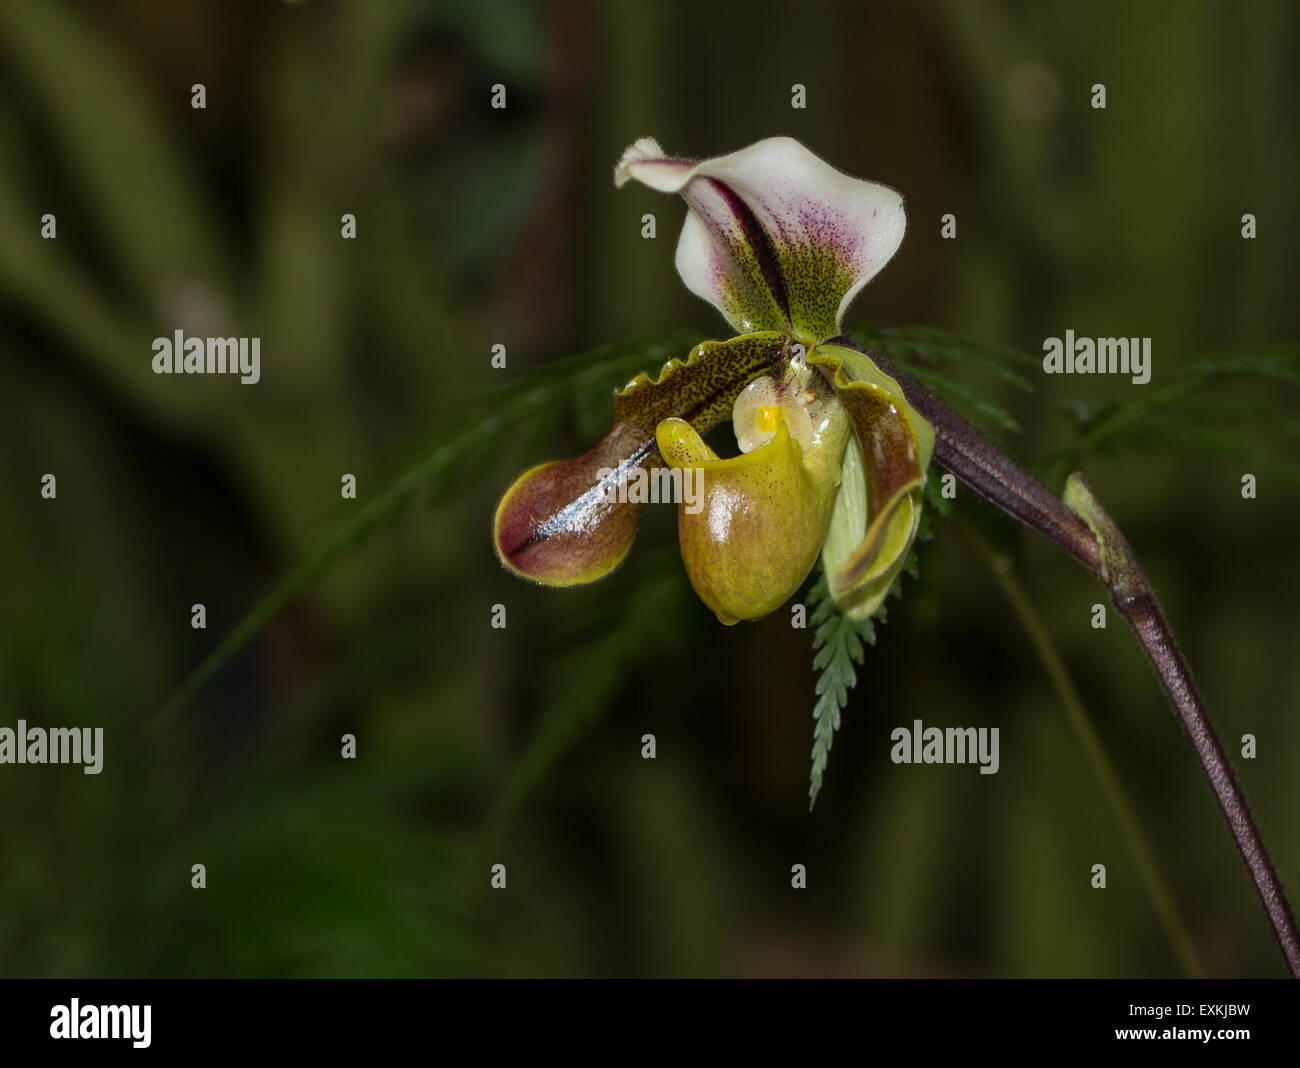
<point x="759" y="241"/>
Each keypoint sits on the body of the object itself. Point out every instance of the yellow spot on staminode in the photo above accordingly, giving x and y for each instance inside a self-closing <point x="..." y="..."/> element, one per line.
<point x="768" y="416"/>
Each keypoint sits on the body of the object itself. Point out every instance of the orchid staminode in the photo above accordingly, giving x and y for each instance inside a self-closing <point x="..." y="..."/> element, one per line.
<point x="832" y="457"/>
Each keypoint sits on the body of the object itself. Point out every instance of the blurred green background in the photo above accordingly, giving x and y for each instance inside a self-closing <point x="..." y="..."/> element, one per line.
<point x="479" y="746"/>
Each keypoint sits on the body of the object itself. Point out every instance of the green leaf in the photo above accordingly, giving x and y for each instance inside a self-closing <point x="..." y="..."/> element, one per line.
<point x="839" y="644"/>
<point x="459" y="450"/>
<point x="1278" y="362"/>
<point x="965" y="394"/>
<point x="922" y="350"/>
<point x="934" y="343"/>
<point x="1198" y="408"/>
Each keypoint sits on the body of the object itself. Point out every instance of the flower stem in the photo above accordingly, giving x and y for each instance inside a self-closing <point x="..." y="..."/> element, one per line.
<point x="1068" y="696"/>
<point x="1085" y="531"/>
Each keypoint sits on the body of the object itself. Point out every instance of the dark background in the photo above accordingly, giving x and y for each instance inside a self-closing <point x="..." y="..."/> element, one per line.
<point x="478" y="746"/>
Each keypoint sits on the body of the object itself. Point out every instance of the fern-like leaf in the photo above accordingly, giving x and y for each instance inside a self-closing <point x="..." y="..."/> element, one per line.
<point x="460" y="449"/>
<point x="1195" y="408"/>
<point x="923" y="350"/>
<point x="839" y="644"/>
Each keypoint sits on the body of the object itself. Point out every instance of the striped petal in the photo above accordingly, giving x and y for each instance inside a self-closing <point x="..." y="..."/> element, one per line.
<point x="572" y="521"/>
<point x="775" y="238"/>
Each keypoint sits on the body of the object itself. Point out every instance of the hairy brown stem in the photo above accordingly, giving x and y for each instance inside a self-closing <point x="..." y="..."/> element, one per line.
<point x="1084" y="530"/>
<point x="1153" y="631"/>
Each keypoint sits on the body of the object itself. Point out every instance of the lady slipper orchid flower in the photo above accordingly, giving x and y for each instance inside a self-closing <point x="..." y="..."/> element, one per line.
<point x="832" y="457"/>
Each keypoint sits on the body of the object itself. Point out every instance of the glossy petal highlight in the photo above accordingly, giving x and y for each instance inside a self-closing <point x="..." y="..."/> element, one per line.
<point x="764" y="514"/>
<point x="572" y="521"/>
